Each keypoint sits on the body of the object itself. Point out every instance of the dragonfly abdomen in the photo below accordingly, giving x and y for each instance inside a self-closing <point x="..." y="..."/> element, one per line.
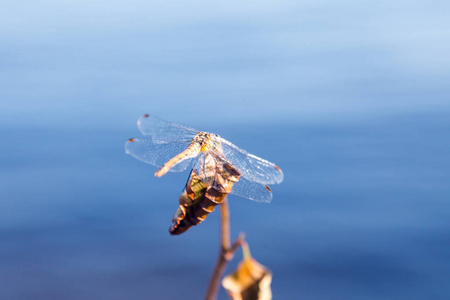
<point x="192" y="150"/>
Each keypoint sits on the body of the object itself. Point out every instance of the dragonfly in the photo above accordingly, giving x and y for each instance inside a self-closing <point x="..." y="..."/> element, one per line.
<point x="174" y="147"/>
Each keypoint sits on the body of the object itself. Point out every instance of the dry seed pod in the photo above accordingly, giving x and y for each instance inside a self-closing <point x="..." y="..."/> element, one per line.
<point x="250" y="281"/>
<point x="208" y="185"/>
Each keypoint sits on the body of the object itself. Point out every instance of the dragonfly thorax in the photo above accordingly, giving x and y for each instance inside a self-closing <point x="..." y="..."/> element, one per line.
<point x="206" y="141"/>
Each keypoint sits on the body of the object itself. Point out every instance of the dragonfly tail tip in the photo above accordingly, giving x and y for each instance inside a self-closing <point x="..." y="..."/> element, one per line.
<point x="160" y="173"/>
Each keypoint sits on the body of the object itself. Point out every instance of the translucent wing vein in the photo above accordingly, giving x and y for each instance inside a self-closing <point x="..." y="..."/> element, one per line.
<point x="164" y="131"/>
<point x="252" y="167"/>
<point x="156" y="154"/>
<point x="245" y="188"/>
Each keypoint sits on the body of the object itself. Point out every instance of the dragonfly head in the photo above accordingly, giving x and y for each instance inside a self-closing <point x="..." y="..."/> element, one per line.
<point x="207" y="141"/>
<point x="216" y="144"/>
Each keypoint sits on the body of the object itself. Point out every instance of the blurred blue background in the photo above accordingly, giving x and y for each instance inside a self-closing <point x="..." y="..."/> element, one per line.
<point x="350" y="99"/>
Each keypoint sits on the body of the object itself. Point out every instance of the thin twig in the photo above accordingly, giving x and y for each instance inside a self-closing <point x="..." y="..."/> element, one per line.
<point x="225" y="225"/>
<point x="226" y="251"/>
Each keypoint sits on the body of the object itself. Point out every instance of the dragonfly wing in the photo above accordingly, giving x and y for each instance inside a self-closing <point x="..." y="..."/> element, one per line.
<point x="251" y="190"/>
<point x="157" y="154"/>
<point x="205" y="167"/>
<point x="252" y="167"/>
<point x="199" y="166"/>
<point x="164" y="131"/>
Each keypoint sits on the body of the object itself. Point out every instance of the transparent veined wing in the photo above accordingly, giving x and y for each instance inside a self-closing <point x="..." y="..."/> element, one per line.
<point x="245" y="188"/>
<point x="252" y="167"/>
<point x="164" y="131"/>
<point x="251" y="190"/>
<point x="157" y="154"/>
<point x="204" y="167"/>
<point x="199" y="166"/>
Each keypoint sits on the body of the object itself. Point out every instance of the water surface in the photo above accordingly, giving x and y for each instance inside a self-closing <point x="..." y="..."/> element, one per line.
<point x="350" y="99"/>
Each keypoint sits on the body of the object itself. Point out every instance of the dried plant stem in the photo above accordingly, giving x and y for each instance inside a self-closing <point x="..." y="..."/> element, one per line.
<point x="226" y="251"/>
